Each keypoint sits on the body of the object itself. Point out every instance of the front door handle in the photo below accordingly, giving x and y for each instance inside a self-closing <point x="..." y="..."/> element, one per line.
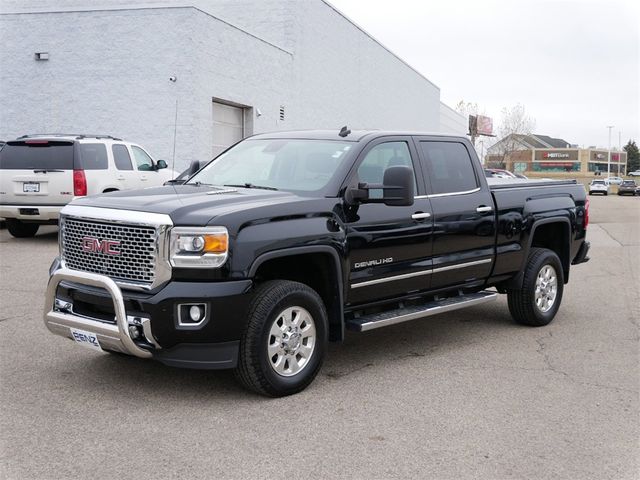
<point x="420" y="215"/>
<point x="484" y="208"/>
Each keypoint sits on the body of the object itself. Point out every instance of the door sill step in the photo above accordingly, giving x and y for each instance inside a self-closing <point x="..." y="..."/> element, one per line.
<point x="391" y="317"/>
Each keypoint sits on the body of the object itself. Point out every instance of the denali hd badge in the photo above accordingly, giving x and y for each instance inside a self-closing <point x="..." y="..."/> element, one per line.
<point x="94" y="245"/>
<point x="373" y="263"/>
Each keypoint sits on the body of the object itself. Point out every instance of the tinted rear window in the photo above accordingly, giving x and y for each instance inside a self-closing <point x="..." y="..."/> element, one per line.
<point x="93" y="156"/>
<point x="33" y="156"/>
<point x="449" y="167"/>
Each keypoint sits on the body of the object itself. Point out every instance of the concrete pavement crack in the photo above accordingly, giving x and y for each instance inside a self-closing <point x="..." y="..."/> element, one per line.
<point x="542" y="346"/>
<point x="611" y="236"/>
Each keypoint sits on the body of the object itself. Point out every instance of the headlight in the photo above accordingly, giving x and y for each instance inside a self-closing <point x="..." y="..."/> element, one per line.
<point x="193" y="247"/>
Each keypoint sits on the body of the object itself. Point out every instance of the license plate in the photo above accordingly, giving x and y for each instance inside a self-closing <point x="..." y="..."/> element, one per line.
<point x="31" y="187"/>
<point x="86" y="339"/>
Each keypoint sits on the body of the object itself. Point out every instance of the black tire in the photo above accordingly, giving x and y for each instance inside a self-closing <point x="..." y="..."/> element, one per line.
<point x="20" y="229"/>
<point x="522" y="301"/>
<point x="606" y="193"/>
<point x="255" y="370"/>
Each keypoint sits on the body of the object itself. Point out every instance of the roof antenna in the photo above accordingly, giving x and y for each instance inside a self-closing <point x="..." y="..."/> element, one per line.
<point x="344" y="131"/>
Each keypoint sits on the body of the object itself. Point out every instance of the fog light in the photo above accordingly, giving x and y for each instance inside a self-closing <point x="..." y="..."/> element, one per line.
<point x="191" y="314"/>
<point x="195" y="313"/>
<point x="134" y="332"/>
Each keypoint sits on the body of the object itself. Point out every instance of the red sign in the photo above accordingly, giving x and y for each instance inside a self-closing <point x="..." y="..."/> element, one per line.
<point x="557" y="164"/>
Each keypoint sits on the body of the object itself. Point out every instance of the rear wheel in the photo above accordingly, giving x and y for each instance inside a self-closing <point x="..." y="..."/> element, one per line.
<point x="20" y="229"/>
<point x="538" y="301"/>
<point x="284" y="343"/>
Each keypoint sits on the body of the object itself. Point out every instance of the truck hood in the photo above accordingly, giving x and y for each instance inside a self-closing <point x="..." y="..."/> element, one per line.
<point x="190" y="204"/>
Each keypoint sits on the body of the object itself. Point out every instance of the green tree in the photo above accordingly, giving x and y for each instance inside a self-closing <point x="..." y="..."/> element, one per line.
<point x="633" y="156"/>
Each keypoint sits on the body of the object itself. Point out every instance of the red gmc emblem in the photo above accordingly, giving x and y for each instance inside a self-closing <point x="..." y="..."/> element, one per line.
<point x="94" y="245"/>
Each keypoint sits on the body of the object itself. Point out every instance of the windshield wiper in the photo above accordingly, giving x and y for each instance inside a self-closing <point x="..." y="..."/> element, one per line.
<point x="45" y="170"/>
<point x="251" y="185"/>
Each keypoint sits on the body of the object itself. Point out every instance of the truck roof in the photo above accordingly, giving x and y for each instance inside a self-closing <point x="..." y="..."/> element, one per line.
<point x="353" y="136"/>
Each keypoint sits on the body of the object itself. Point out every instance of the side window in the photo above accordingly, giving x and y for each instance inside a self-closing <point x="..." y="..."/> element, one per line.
<point x="390" y="154"/>
<point x="143" y="161"/>
<point x="449" y="167"/>
<point x="121" y="157"/>
<point x="93" y="156"/>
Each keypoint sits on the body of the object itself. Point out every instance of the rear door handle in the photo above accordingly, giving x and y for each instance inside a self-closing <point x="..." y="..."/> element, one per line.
<point x="120" y="177"/>
<point x="420" y="215"/>
<point x="483" y="209"/>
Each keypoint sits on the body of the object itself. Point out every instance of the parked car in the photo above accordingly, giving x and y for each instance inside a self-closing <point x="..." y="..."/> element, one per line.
<point x="599" y="186"/>
<point x="627" y="187"/>
<point x="39" y="174"/>
<point x="635" y="173"/>
<point x="613" y="180"/>
<point x="287" y="239"/>
<point x="498" y="173"/>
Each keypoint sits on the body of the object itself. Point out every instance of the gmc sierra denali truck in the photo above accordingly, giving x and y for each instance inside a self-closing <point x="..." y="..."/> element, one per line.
<point x="286" y="240"/>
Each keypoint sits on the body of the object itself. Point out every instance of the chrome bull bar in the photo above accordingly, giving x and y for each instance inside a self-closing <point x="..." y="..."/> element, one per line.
<point x="113" y="337"/>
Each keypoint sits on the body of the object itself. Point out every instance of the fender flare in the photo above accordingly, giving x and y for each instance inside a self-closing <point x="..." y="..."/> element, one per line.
<point x="516" y="282"/>
<point x="294" y="251"/>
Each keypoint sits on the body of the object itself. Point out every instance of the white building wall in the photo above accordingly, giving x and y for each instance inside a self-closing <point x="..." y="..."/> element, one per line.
<point x="452" y="121"/>
<point x="109" y="73"/>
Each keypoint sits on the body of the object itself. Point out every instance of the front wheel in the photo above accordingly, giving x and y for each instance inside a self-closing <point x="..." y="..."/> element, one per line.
<point x="538" y="300"/>
<point x="20" y="229"/>
<point x="285" y="340"/>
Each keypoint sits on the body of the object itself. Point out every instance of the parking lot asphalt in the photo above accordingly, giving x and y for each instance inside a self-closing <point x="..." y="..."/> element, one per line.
<point x="463" y="395"/>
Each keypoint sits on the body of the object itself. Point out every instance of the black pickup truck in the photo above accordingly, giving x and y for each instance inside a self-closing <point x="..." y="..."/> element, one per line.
<point x="286" y="240"/>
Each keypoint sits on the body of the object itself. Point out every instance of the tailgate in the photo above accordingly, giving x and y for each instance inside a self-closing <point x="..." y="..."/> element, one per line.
<point x="36" y="172"/>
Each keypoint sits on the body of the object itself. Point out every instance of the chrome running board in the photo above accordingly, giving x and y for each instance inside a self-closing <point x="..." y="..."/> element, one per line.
<point x="391" y="317"/>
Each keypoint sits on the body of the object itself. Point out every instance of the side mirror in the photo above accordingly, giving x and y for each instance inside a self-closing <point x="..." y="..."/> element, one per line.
<point x="161" y="164"/>
<point x="193" y="168"/>
<point x="397" y="185"/>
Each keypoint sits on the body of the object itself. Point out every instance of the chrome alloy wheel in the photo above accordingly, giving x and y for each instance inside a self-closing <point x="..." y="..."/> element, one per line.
<point x="546" y="288"/>
<point x="291" y="341"/>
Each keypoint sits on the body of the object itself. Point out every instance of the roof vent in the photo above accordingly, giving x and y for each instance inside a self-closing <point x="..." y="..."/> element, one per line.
<point x="282" y="112"/>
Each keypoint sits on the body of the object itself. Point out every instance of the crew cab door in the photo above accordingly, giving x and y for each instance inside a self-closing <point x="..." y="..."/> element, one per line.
<point x="463" y="212"/>
<point x="389" y="246"/>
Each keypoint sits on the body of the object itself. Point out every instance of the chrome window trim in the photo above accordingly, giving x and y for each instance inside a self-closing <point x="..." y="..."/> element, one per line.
<point x="161" y="222"/>
<point x="431" y="271"/>
<point x="448" y="194"/>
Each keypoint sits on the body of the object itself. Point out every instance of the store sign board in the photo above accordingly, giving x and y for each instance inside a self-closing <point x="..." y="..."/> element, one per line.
<point x="555" y="155"/>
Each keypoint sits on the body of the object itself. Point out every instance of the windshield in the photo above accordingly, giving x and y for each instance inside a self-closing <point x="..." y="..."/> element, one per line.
<point x="283" y="164"/>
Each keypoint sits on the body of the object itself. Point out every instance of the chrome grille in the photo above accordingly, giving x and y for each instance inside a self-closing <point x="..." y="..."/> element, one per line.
<point x="135" y="262"/>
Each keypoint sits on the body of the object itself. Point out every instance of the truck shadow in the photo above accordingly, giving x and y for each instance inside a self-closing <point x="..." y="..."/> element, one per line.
<point x="454" y="332"/>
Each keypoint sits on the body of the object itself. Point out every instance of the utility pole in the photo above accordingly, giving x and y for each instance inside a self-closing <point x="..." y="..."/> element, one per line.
<point x="619" y="150"/>
<point x="609" y="155"/>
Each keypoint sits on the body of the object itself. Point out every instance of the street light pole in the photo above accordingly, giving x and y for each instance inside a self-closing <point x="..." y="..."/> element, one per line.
<point x="619" y="150"/>
<point x="609" y="153"/>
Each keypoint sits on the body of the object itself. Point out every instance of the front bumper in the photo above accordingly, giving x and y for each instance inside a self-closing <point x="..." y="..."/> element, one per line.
<point x="93" y="301"/>
<point x="31" y="213"/>
<point x="113" y="337"/>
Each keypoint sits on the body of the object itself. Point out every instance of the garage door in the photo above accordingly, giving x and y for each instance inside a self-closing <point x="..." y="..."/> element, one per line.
<point x="228" y="126"/>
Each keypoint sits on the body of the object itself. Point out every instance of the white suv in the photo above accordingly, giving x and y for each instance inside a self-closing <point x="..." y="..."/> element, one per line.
<point x="599" y="186"/>
<point x="39" y="174"/>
